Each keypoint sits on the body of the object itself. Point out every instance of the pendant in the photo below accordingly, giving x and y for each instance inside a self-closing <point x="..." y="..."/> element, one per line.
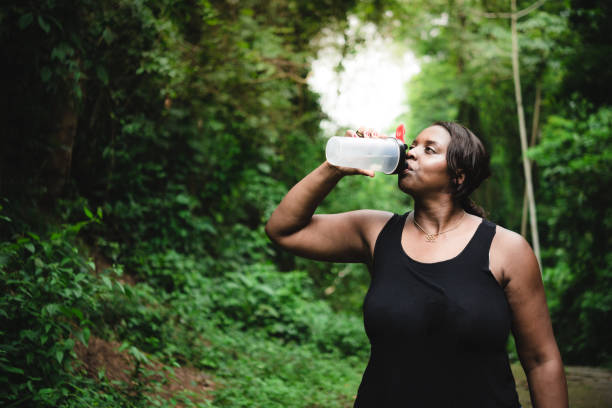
<point x="431" y="237"/>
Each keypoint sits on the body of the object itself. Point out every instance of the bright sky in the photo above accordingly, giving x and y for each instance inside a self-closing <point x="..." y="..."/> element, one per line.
<point x="371" y="90"/>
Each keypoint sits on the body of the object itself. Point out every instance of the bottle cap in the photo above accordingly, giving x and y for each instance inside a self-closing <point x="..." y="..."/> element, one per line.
<point x="399" y="136"/>
<point x="400" y="132"/>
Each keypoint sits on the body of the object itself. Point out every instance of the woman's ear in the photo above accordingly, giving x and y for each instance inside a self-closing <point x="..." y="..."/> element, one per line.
<point x="459" y="177"/>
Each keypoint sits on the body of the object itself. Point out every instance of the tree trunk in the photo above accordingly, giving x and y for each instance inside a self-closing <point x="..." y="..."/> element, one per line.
<point x="59" y="159"/>
<point x="523" y="135"/>
<point x="535" y="125"/>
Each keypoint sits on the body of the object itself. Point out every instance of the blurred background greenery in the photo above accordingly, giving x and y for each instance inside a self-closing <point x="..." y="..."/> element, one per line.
<point x="145" y="143"/>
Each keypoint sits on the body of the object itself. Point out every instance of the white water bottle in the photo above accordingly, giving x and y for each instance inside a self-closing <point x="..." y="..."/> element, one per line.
<point x="387" y="155"/>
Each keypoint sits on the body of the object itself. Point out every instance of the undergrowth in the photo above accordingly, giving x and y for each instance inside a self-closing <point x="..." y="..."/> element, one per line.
<point x="263" y="335"/>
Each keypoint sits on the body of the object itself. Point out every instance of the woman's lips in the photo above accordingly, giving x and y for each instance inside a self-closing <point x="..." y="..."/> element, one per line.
<point x="407" y="170"/>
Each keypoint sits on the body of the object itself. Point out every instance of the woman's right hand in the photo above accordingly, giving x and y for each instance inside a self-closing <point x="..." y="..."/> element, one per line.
<point x="342" y="237"/>
<point x="361" y="132"/>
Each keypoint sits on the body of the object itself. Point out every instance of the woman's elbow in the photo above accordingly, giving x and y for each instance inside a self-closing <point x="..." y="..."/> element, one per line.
<point x="549" y="356"/>
<point x="271" y="232"/>
<point x="274" y="232"/>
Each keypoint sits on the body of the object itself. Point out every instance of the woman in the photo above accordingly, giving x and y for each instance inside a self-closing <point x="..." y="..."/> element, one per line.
<point x="447" y="285"/>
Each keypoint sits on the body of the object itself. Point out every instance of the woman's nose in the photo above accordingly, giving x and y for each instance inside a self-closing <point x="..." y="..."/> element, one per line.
<point x="410" y="153"/>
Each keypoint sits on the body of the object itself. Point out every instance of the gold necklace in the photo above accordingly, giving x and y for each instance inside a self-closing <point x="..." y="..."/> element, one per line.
<point x="432" y="237"/>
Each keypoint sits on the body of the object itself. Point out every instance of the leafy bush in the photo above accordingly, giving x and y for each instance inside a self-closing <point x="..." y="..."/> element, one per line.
<point x="575" y="161"/>
<point x="49" y="300"/>
<point x="271" y="373"/>
<point x="278" y="305"/>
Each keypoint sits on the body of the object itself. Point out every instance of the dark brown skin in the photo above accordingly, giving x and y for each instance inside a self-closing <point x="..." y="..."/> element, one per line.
<point x="350" y="237"/>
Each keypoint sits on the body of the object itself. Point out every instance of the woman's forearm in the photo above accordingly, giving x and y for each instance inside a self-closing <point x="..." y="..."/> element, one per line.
<point x="547" y="385"/>
<point x="297" y="207"/>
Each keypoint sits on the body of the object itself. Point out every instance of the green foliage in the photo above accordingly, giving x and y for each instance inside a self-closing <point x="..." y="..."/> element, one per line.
<point x="190" y="120"/>
<point x="590" y="52"/>
<point x="576" y="167"/>
<point x="185" y="122"/>
<point x="270" y="374"/>
<point x="49" y="300"/>
<point x="285" y="307"/>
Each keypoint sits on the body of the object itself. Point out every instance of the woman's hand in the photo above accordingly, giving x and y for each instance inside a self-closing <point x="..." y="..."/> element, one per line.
<point x="361" y="132"/>
<point x="343" y="237"/>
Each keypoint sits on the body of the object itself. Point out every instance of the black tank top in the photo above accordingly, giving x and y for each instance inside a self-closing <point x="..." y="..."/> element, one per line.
<point x="438" y="331"/>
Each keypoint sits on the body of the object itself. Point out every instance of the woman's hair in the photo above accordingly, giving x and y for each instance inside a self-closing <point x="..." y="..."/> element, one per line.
<point x="466" y="154"/>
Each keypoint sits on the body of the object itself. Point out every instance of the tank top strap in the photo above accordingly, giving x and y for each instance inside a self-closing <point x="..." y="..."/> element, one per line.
<point x="477" y="248"/>
<point x="388" y="236"/>
<point x="480" y="245"/>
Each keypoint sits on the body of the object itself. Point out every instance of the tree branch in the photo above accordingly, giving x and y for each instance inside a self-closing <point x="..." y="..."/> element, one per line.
<point x="519" y="14"/>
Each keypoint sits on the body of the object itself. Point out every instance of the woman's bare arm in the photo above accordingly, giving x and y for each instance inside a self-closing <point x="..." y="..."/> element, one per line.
<point x="344" y="237"/>
<point x="531" y="326"/>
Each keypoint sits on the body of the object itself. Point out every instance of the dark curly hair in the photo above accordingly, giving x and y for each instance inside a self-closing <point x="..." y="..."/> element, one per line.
<point x="466" y="154"/>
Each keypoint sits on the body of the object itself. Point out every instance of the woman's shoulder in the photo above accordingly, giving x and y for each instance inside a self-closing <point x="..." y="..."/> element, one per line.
<point x="368" y="215"/>
<point x="511" y="254"/>
<point x="509" y="240"/>
<point x="373" y="219"/>
<point x="371" y="222"/>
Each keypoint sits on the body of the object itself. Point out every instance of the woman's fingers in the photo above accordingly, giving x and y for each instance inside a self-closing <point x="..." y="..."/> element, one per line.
<point x="361" y="132"/>
<point x="369" y="173"/>
<point x="368" y="132"/>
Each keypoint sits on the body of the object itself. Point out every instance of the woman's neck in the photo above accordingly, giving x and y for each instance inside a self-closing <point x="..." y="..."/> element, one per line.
<point x="438" y="215"/>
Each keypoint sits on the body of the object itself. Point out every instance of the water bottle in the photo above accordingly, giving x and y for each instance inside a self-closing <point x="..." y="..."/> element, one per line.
<point x="387" y="155"/>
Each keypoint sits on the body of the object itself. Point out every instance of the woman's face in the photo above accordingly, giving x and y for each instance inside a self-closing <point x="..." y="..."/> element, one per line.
<point x="426" y="167"/>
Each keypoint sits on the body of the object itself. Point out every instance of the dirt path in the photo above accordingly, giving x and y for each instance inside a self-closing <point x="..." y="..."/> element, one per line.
<point x="179" y="383"/>
<point x="588" y="387"/>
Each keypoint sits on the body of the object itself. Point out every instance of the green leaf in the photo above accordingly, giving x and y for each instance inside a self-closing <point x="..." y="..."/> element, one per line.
<point x="264" y="168"/>
<point x="39" y="263"/>
<point x="138" y="355"/>
<point x="30" y="247"/>
<point x="59" y="355"/>
<point x="33" y="235"/>
<point x="120" y="286"/>
<point x="102" y="74"/>
<point x="45" y="74"/>
<point x="43" y="24"/>
<point x="87" y="212"/>
<point x="208" y="362"/>
<point x="266" y="289"/>
<point x="77" y="312"/>
<point x="86" y="334"/>
<point x="108" y="36"/>
<point x="25" y="20"/>
<point x="107" y="281"/>
<point x="14" y="370"/>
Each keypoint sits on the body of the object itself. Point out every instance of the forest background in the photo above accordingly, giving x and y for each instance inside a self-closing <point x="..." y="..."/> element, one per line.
<point x="145" y="143"/>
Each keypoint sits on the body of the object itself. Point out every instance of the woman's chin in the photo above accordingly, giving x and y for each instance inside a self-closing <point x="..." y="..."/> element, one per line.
<point x="404" y="185"/>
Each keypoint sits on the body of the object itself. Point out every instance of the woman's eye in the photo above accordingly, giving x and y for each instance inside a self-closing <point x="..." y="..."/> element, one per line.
<point x="430" y="149"/>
